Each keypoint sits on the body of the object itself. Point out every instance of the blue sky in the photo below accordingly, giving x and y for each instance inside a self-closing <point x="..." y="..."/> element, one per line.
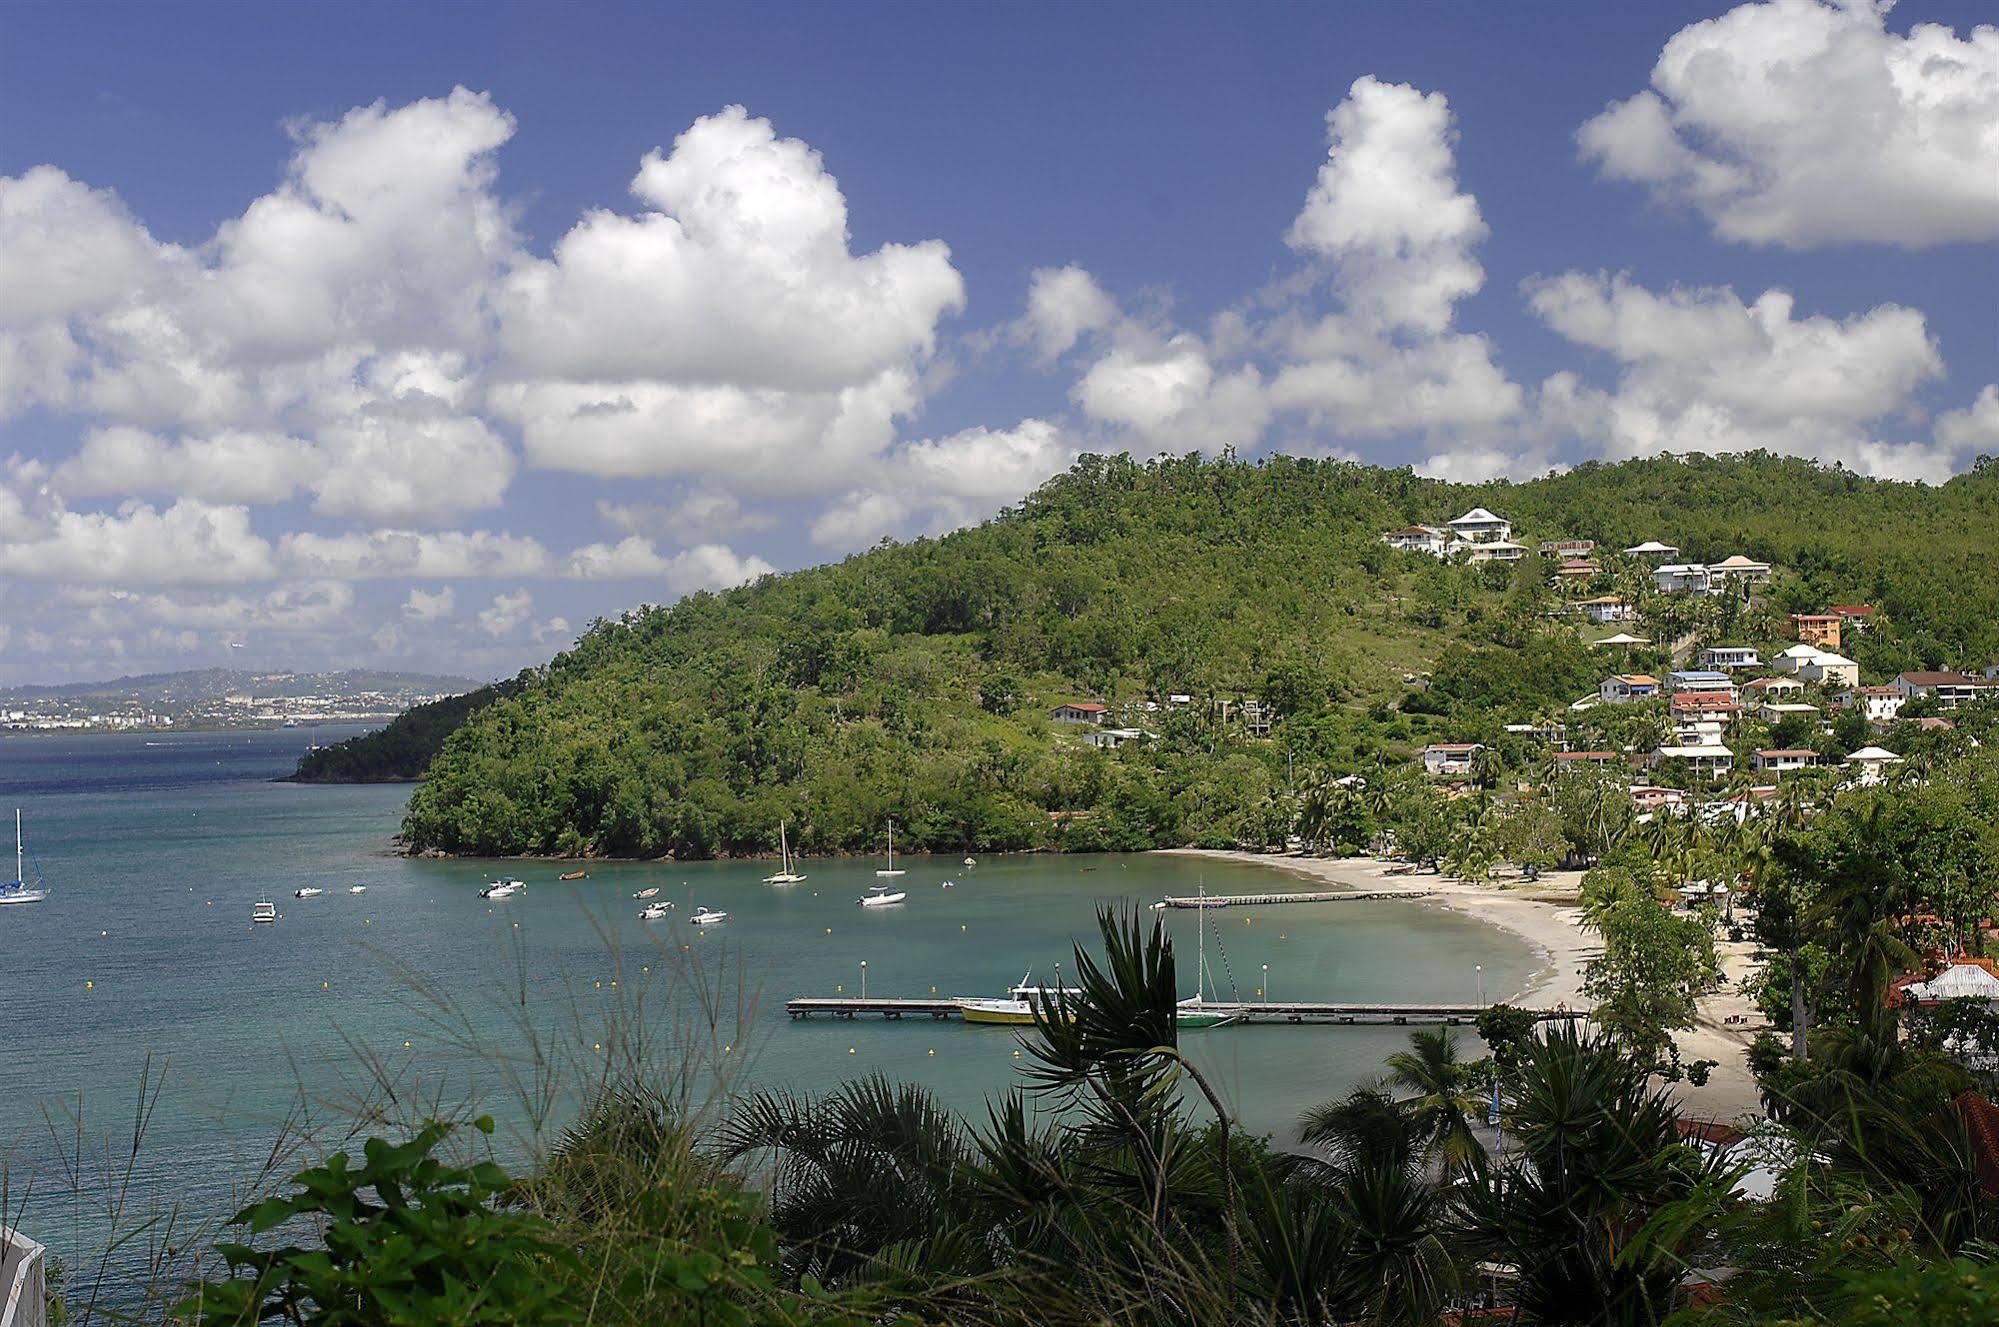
<point x="305" y="360"/>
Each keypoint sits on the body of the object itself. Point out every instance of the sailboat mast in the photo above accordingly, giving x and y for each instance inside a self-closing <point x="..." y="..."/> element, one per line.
<point x="17" y="845"/>
<point x="891" y="843"/>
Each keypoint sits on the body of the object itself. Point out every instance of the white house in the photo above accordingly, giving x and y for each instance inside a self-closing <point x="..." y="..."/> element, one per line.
<point x="1112" y="738"/>
<point x="1951" y="689"/>
<point x="1730" y="657"/>
<point x="1490" y="550"/>
<point x="1709" y="761"/>
<point x="1776" y="711"/>
<point x="1830" y="670"/>
<point x="1783" y="761"/>
<point x="1081" y="711"/>
<point x="1878" y="705"/>
<point x="1794" y="657"/>
<point x="1606" y="608"/>
<point x="1621" y="688"/>
<point x="1870" y="764"/>
<point x="1450" y="760"/>
<point x="1479" y="526"/>
<point x="1652" y="548"/>
<point x="1773" y="688"/>
<point x="1683" y="578"/>
<point x="1417" y="539"/>
<point x="1700" y="679"/>
<point x="1739" y="568"/>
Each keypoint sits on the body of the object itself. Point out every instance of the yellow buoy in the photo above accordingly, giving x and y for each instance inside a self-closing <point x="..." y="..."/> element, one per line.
<point x="933" y="1051"/>
<point x="90" y="986"/>
<point x="850" y="1050"/>
<point x="326" y="986"/>
<point x="406" y="1045"/>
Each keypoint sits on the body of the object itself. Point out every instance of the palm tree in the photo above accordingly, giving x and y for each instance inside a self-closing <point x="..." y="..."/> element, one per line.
<point x="1442" y="1101"/>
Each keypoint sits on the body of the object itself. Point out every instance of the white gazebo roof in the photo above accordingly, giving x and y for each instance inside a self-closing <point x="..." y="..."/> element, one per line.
<point x="1873" y="753"/>
<point x="1959" y="981"/>
<point x="1622" y="638"/>
<point x="1652" y="546"/>
<point x="1478" y="516"/>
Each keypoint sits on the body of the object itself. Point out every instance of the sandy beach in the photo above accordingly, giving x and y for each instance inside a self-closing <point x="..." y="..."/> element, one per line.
<point x="1545" y="915"/>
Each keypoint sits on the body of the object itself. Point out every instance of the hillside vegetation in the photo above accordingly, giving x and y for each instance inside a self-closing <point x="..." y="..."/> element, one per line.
<point x="915" y="680"/>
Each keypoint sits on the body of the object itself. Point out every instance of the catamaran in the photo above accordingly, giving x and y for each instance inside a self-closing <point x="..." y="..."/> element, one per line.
<point x="880" y="896"/>
<point x="786" y="875"/>
<point x="890" y="869"/>
<point x="1193" y="1012"/>
<point x="1019" y="1005"/>
<point x="18" y="890"/>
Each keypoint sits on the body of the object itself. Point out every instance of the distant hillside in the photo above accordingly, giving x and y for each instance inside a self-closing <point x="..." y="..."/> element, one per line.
<point x="201" y="685"/>
<point x="915" y="681"/>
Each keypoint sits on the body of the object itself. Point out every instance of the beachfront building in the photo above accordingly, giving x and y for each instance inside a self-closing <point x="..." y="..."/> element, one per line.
<point x="1417" y="539"/>
<point x="1683" y="578"/>
<point x="1479" y="526"/>
<point x="1607" y="608"/>
<point x="1871" y="765"/>
<point x="1951" y="689"/>
<point x="1820" y="629"/>
<point x="1080" y="711"/>
<point x="1623" y="688"/>
<point x="1705" y="761"/>
<point x="1829" y="670"/>
<point x="1878" y="705"/>
<point x="1652" y="550"/>
<point x="1728" y="658"/>
<point x="1450" y="760"/>
<point x="1782" y="761"/>
<point x="1700" y="679"/>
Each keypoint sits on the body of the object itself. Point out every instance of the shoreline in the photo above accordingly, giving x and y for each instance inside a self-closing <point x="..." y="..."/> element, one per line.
<point x="1545" y="915"/>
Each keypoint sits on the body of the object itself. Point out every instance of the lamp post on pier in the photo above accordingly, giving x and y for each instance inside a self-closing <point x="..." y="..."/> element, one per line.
<point x="864" y="979"/>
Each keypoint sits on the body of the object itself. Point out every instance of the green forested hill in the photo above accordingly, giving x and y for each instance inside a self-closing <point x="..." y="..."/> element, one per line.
<point x="915" y="680"/>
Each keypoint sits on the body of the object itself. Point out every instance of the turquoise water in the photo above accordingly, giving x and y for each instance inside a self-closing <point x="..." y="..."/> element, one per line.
<point x="145" y="961"/>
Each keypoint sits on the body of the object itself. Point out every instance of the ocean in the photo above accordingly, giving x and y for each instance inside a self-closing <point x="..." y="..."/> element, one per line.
<point x="140" y="1000"/>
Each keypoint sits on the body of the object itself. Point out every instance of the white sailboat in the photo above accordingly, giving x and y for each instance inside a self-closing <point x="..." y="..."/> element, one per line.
<point x="1193" y="1012"/>
<point x="18" y="890"/>
<point x="890" y="869"/>
<point x="785" y="874"/>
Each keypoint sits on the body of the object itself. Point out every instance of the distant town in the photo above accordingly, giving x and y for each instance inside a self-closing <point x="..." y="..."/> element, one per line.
<point x="220" y="698"/>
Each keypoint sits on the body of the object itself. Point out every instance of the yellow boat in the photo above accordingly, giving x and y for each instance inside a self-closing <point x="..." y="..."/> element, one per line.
<point x="577" y="875"/>
<point x="1017" y="1009"/>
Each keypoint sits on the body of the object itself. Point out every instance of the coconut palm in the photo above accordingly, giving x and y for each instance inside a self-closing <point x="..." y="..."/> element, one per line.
<point x="1441" y="1100"/>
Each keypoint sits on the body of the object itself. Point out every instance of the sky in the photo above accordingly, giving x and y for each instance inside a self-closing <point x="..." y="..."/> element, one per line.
<point x="422" y="336"/>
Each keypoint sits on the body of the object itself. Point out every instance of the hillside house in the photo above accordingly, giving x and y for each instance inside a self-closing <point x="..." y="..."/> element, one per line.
<point x="1450" y="760"/>
<point x="1491" y="550"/>
<point x="1778" y="761"/>
<point x="1705" y="761"/>
<point x="1742" y="570"/>
<point x="1256" y="719"/>
<point x="1650" y="797"/>
<point x="1653" y="550"/>
<point x="1683" y="578"/>
<point x="1951" y="689"/>
<point x="1109" y="739"/>
<point x="1606" y="608"/>
<point x="1793" y="657"/>
<point x="1081" y="711"/>
<point x="1871" y="765"/>
<point x="1479" y="526"/>
<point x="1820" y="629"/>
<point x="1567" y="548"/>
<point x="1830" y="670"/>
<point x="1857" y="617"/>
<point x="1700" y="679"/>
<point x="1575" y="570"/>
<point x="1773" y="688"/>
<point x="1728" y="658"/>
<point x="1417" y="539"/>
<point x="1574" y="760"/>
<point x="1878" y="705"/>
<point x="1776" y="711"/>
<point x="1623" y="688"/>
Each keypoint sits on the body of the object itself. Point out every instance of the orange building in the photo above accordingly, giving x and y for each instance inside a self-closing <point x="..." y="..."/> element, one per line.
<point x="1817" y="629"/>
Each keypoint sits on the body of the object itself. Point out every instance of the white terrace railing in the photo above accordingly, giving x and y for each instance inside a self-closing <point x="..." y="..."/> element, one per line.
<point x="23" y="1284"/>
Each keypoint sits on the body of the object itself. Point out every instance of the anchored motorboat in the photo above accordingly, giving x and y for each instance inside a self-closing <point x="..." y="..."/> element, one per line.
<point x="708" y="917"/>
<point x="880" y="896"/>
<point x="653" y="912"/>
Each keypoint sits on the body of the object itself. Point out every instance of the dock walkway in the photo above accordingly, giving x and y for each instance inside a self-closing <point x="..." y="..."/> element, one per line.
<point x="1308" y="896"/>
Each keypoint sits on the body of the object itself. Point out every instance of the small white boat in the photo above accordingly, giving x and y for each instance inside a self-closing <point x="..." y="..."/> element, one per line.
<point x="506" y="888"/>
<point x="357" y="889"/>
<point x="655" y="911"/>
<point x="18" y="890"/>
<point x="648" y="893"/>
<point x="708" y="917"/>
<point x="890" y="869"/>
<point x="787" y="873"/>
<point x="881" y="896"/>
<point x="308" y="892"/>
<point x="950" y="884"/>
<point x="263" y="910"/>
